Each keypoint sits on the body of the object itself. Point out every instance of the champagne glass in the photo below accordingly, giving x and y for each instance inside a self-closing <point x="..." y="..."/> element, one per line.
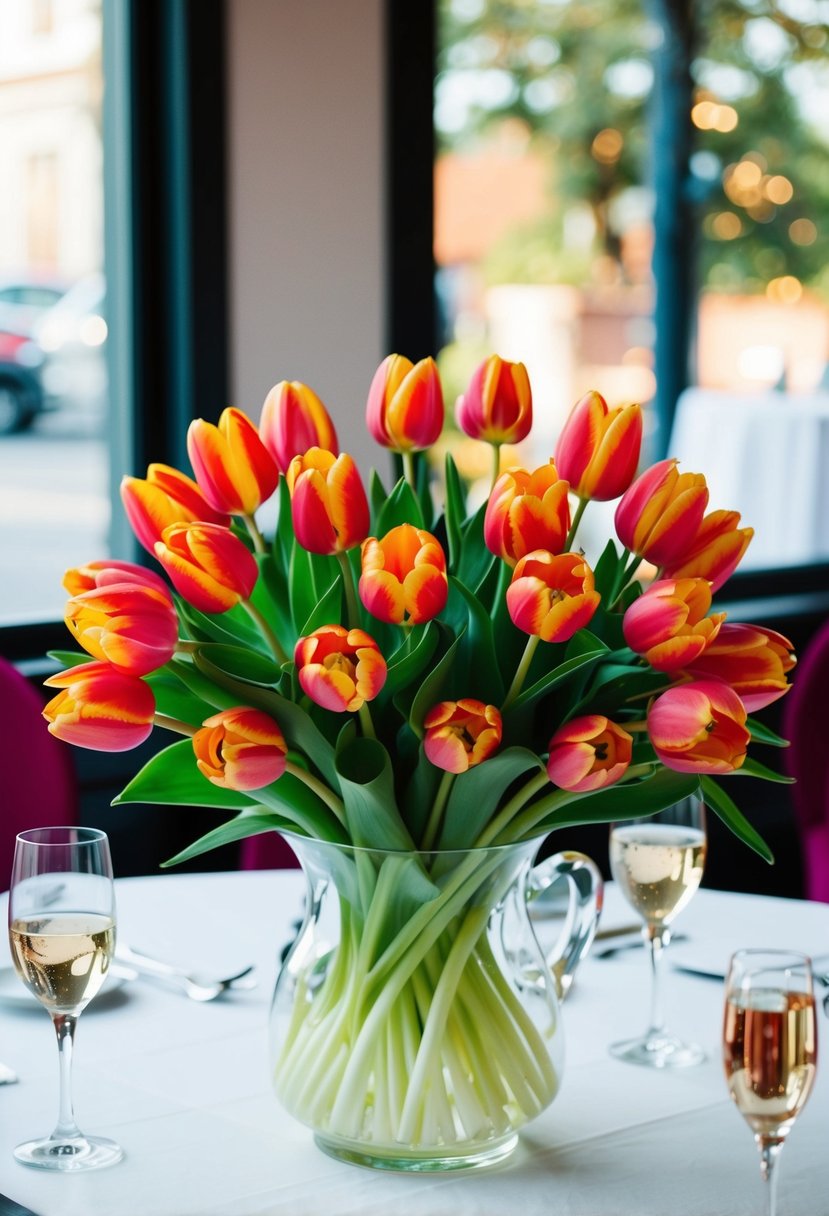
<point x="62" y="931"/>
<point x="770" y="1047"/>
<point x="658" y="864"/>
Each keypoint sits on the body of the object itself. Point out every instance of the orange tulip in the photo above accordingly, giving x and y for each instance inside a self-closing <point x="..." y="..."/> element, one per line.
<point x="527" y="511"/>
<point x="404" y="576"/>
<point x="460" y="734"/>
<point x="240" y="749"/>
<point x="661" y="513"/>
<point x="668" y="624"/>
<point x="404" y="411"/>
<point x="716" y="551"/>
<point x="699" y="728"/>
<point x="107" y="571"/>
<point x="751" y="659"/>
<point x="235" y="471"/>
<point x="339" y="668"/>
<point x="497" y="407"/>
<point x="208" y="565"/>
<point x="329" y="507"/>
<point x="133" y="627"/>
<point x="598" y="450"/>
<point x="100" y="708"/>
<point x="164" y="497"/>
<point x="588" y="753"/>
<point x="552" y="597"/>
<point x="294" y="420"/>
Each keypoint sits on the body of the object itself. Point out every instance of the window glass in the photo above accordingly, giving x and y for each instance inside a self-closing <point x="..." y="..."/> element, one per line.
<point x="54" y="493"/>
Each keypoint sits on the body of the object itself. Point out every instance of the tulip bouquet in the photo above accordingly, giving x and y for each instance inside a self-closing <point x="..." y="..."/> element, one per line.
<point x="384" y="675"/>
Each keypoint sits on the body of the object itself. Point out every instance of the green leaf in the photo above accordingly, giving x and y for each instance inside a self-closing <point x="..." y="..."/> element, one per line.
<point x="175" y="699"/>
<point x="419" y="793"/>
<point x="476" y="794"/>
<point x="764" y="734"/>
<point x="377" y="495"/>
<point x="586" y="655"/>
<point x="401" y="507"/>
<point x="233" y="628"/>
<point x="721" y="803"/>
<point x="329" y="610"/>
<point x="171" y="778"/>
<point x="303" y="594"/>
<point x="251" y="822"/>
<point x="271" y="596"/>
<point x="409" y="661"/>
<point x="475" y="557"/>
<point x="69" y="658"/>
<point x="606" y="570"/>
<point x="632" y="800"/>
<point x="478" y="668"/>
<point x="235" y="661"/>
<point x="455" y="512"/>
<point x="432" y="689"/>
<point x="366" y="779"/>
<point x="283" y="537"/>
<point x="753" y="768"/>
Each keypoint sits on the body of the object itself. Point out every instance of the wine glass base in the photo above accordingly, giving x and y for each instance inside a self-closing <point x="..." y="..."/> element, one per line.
<point x="658" y="1051"/>
<point x="69" y="1154"/>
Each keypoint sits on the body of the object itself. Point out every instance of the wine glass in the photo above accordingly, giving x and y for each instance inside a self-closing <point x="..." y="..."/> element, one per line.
<point x="62" y="931"/>
<point x="770" y="1047"/>
<point x="657" y="864"/>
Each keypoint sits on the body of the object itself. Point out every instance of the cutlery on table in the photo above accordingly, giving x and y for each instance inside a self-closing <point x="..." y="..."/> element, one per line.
<point x="634" y="944"/>
<point x="195" y="985"/>
<point x="7" y="1075"/>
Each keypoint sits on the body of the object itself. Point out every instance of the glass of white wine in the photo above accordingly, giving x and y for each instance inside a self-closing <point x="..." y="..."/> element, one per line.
<point x="770" y="1047"/>
<point x="658" y="865"/>
<point x="62" y="932"/>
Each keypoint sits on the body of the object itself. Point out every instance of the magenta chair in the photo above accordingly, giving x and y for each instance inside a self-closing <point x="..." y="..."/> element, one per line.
<point x="39" y="783"/>
<point x="267" y="851"/>
<point x="807" y="760"/>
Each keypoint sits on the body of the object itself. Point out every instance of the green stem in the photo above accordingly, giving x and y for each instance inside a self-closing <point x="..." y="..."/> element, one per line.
<point x="183" y="646"/>
<point x="574" y="527"/>
<point x="352" y="607"/>
<point x="496" y="464"/>
<point x="436" y="813"/>
<point x="626" y="578"/>
<point x="266" y="631"/>
<point x="318" y="787"/>
<point x="366" y="722"/>
<point x="409" y="470"/>
<point x="523" y="827"/>
<point x="255" y="535"/>
<point x="521" y="673"/>
<point x="176" y="724"/>
<point x="502" y="819"/>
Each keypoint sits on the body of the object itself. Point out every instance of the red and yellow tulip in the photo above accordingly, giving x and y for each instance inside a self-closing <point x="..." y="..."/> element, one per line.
<point x="132" y="626"/>
<point x="669" y="624"/>
<point x="294" y="420"/>
<point x="598" y="450"/>
<point x="235" y="471"/>
<point x="100" y="708"/>
<point x="105" y="572"/>
<point x="661" y="513"/>
<point x="588" y="753"/>
<point x="404" y="576"/>
<point x="527" y="511"/>
<point x="715" y="552"/>
<point x="240" y="749"/>
<point x="163" y="498"/>
<point x="405" y="411"/>
<point x="699" y="728"/>
<point x="338" y="668"/>
<point x="552" y="597"/>
<point x="751" y="659"/>
<point x="460" y="734"/>
<point x="497" y="406"/>
<point x="208" y="565"/>
<point x="329" y="507"/>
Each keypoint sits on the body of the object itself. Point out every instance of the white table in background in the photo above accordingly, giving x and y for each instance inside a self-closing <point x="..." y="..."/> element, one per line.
<point x="184" y="1087"/>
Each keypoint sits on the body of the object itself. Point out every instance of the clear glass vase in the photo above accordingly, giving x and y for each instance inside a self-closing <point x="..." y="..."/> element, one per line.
<point x="415" y="1022"/>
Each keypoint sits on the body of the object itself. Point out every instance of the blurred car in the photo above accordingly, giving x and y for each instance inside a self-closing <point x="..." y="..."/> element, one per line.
<point x="25" y="297"/>
<point x="21" y="392"/>
<point x="71" y="336"/>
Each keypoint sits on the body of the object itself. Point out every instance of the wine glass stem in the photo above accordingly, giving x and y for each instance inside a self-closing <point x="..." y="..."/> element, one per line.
<point x="769" y="1152"/>
<point x="656" y="938"/>
<point x="67" y="1128"/>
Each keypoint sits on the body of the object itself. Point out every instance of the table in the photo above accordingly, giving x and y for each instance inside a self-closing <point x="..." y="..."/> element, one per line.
<point x="765" y="455"/>
<point x="184" y="1087"/>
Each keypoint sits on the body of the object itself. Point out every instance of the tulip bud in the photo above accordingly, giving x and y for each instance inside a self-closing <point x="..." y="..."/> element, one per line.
<point x="751" y="659"/>
<point x="588" y="753"/>
<point x="105" y="572"/>
<point x="208" y="565"/>
<point x="235" y="471"/>
<point x="100" y="708"/>
<point x="527" y="511"/>
<point x="699" y="728"/>
<point x="460" y="734"/>
<point x="404" y="576"/>
<point x="294" y="420"/>
<point x="329" y="507"/>
<point x="661" y="513"/>
<point x="133" y="627"/>
<point x="404" y="411"/>
<point x="715" y="552"/>
<point x="668" y="624"/>
<point x="339" y="668"/>
<point x="552" y="597"/>
<point x="497" y="407"/>
<point x="240" y="749"/>
<point x="598" y="450"/>
<point x="165" y="497"/>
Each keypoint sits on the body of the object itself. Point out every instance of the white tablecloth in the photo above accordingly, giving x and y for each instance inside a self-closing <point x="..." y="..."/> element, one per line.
<point x="766" y="456"/>
<point x="184" y="1087"/>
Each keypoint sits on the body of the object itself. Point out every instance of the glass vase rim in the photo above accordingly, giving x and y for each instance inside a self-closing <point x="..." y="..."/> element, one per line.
<point x="83" y="836"/>
<point x="470" y="850"/>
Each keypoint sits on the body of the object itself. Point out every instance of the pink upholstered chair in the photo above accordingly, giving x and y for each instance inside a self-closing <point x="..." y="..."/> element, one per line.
<point x="39" y="785"/>
<point x="807" y="759"/>
<point x="267" y="851"/>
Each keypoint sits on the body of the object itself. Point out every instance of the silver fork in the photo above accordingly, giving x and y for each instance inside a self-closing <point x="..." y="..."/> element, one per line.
<point x="195" y="985"/>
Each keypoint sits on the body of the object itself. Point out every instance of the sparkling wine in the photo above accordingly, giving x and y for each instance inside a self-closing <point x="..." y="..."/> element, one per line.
<point x="658" y="867"/>
<point x="770" y="1056"/>
<point x="63" y="959"/>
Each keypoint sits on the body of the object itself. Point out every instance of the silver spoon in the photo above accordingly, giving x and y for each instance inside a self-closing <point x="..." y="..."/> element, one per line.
<point x="195" y="985"/>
